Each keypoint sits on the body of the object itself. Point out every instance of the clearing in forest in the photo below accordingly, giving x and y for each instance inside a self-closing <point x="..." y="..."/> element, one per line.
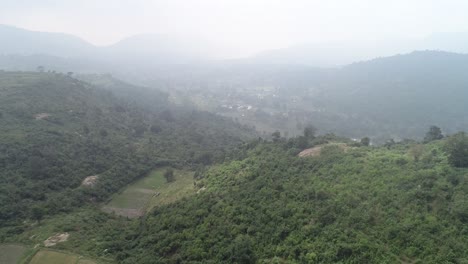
<point x="11" y="254"/>
<point x="150" y="191"/>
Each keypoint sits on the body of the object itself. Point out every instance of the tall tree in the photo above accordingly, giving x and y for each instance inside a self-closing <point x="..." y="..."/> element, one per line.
<point x="276" y="136"/>
<point x="309" y="131"/>
<point x="457" y="150"/>
<point x="434" y="133"/>
<point x="169" y="175"/>
<point x="365" y="141"/>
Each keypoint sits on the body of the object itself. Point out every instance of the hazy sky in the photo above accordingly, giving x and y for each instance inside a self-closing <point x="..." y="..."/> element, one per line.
<point x="246" y="25"/>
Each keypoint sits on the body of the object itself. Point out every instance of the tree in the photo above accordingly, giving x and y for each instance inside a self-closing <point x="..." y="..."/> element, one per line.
<point x="37" y="213"/>
<point x="309" y="132"/>
<point x="457" y="149"/>
<point x="40" y="68"/>
<point x="434" y="133"/>
<point x="241" y="250"/>
<point x="365" y="141"/>
<point x="276" y="136"/>
<point x="389" y="143"/>
<point x="169" y="175"/>
<point x="302" y="142"/>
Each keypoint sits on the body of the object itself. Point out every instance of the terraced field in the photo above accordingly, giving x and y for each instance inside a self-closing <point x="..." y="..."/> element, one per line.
<point x="11" y="254"/>
<point x="55" y="257"/>
<point x="151" y="191"/>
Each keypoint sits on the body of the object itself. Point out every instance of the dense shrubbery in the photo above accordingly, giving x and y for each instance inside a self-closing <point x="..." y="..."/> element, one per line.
<point x="404" y="202"/>
<point x="55" y="131"/>
<point x="365" y="205"/>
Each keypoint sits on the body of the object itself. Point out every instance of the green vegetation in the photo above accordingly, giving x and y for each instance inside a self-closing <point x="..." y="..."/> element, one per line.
<point x="434" y="133"/>
<point x="210" y="197"/>
<point x="48" y="256"/>
<point x="365" y="205"/>
<point x="457" y="148"/>
<point x="150" y="191"/>
<point x="56" y="131"/>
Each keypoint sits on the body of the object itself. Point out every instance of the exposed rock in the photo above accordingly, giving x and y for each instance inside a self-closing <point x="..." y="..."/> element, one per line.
<point x="41" y="116"/>
<point x="57" y="238"/>
<point x="90" y="181"/>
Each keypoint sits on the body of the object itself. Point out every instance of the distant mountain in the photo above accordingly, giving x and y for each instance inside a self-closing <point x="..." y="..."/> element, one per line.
<point x="142" y="49"/>
<point x="392" y="97"/>
<point x="334" y="54"/>
<point x="400" y="96"/>
<point x="161" y="48"/>
<point x="454" y="42"/>
<point x="25" y="42"/>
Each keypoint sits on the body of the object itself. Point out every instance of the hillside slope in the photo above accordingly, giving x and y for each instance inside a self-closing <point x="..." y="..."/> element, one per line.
<point x="55" y="131"/>
<point x="365" y="205"/>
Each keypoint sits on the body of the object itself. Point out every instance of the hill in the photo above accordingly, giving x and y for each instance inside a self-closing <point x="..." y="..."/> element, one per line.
<point x="392" y="97"/>
<point x="232" y="202"/>
<point x="26" y="42"/>
<point x="150" y="49"/>
<point x="55" y="131"/>
<point x="347" y="205"/>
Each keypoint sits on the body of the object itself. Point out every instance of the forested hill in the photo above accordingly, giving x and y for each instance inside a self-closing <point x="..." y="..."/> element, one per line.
<point x="400" y="96"/>
<point x="403" y="203"/>
<point x="55" y="131"/>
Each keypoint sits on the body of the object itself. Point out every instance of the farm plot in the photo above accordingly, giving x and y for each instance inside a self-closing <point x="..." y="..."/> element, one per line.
<point x="11" y="254"/>
<point x="150" y="191"/>
<point x="51" y="256"/>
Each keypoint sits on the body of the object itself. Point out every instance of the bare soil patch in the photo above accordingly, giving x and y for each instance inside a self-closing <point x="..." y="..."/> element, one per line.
<point x="90" y="181"/>
<point x="57" y="238"/>
<point x="312" y="152"/>
<point x="41" y="116"/>
<point x="315" y="151"/>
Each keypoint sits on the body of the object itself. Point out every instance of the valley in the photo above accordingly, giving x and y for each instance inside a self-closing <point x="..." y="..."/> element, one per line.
<point x="153" y="149"/>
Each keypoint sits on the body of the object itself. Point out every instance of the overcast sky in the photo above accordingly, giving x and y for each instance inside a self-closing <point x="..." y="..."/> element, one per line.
<point x="248" y="26"/>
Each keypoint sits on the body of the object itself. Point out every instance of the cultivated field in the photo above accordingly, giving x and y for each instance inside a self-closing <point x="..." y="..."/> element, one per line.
<point x="151" y="191"/>
<point x="49" y="257"/>
<point x="11" y="254"/>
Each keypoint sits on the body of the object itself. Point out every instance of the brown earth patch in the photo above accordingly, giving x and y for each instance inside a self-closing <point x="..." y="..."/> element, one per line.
<point x="90" y="181"/>
<point x="57" y="238"/>
<point x="41" y="116"/>
<point x="311" y="152"/>
<point x="315" y="151"/>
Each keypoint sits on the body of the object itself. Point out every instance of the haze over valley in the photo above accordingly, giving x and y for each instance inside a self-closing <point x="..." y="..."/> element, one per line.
<point x="233" y="132"/>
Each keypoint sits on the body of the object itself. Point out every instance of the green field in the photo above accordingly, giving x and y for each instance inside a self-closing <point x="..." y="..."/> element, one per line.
<point x="48" y="257"/>
<point x="151" y="191"/>
<point x="11" y="254"/>
<point x="54" y="257"/>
